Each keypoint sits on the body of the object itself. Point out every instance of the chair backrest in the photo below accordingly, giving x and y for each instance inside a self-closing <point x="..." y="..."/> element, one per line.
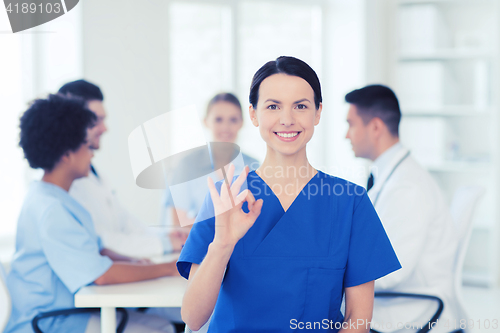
<point x="5" y="304"/>
<point x="463" y="205"/>
<point x="462" y="210"/>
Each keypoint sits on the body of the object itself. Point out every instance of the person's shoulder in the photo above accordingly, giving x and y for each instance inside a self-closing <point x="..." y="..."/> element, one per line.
<point x="341" y="188"/>
<point x="337" y="180"/>
<point x="41" y="201"/>
<point x="45" y="194"/>
<point x="410" y="164"/>
<point x="414" y="181"/>
<point x="413" y="175"/>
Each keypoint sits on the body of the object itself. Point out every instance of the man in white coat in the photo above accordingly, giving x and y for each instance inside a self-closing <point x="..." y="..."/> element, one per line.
<point x="413" y="212"/>
<point x="119" y="230"/>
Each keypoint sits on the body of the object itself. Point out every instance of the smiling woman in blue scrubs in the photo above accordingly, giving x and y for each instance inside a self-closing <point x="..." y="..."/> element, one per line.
<point x="287" y="244"/>
<point x="57" y="249"/>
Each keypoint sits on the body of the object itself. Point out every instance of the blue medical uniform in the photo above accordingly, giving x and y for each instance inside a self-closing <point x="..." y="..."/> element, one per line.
<point x="57" y="253"/>
<point x="295" y="265"/>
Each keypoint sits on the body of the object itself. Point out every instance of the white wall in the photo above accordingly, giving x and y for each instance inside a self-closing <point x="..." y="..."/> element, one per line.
<point x="125" y="53"/>
<point x="344" y="64"/>
<point x="379" y="41"/>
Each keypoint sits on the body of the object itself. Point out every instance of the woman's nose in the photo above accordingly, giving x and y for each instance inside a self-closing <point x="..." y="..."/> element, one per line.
<point x="286" y="117"/>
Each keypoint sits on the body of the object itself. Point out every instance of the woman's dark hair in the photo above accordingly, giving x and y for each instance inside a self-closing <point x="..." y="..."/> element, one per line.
<point x="53" y="126"/>
<point x="84" y="89"/>
<point x="290" y="66"/>
<point x="377" y="101"/>
<point x="223" y="97"/>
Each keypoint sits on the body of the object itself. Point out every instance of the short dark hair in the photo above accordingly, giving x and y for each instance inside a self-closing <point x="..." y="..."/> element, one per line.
<point x="377" y="101"/>
<point x="84" y="89"/>
<point x="53" y="126"/>
<point x="224" y="97"/>
<point x="290" y="66"/>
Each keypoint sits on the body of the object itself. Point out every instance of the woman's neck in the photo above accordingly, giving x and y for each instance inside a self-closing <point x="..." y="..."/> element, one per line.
<point x="279" y="168"/>
<point x="58" y="178"/>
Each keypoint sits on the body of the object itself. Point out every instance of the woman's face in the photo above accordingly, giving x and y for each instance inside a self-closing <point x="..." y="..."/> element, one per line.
<point x="286" y="113"/>
<point x="224" y="120"/>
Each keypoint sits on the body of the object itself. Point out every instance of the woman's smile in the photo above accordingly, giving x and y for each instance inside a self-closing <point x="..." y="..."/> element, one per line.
<point x="288" y="136"/>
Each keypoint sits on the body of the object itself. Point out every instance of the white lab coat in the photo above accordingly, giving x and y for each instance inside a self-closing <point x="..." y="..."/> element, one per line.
<point x="419" y="225"/>
<point x="118" y="229"/>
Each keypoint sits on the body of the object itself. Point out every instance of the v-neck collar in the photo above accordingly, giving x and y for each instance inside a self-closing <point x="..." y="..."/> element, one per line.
<point x="294" y="199"/>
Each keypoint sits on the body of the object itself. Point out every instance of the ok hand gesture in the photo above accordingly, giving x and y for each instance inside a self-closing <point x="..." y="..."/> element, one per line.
<point x="231" y="222"/>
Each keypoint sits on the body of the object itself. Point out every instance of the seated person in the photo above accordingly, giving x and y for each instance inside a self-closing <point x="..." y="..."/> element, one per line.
<point x="119" y="230"/>
<point x="57" y="249"/>
<point x="412" y="210"/>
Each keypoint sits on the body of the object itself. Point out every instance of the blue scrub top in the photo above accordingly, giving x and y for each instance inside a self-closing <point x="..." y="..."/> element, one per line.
<point x="295" y="265"/>
<point x="57" y="253"/>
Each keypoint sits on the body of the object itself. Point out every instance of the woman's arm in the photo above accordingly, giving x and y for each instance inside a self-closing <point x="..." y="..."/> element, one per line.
<point x="118" y="257"/>
<point x="358" y="308"/>
<point x="204" y="285"/>
<point x="231" y="223"/>
<point x="123" y="272"/>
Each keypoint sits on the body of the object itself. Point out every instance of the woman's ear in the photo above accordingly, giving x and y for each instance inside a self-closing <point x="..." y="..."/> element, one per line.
<point x="253" y="115"/>
<point x="317" y="117"/>
<point x="66" y="158"/>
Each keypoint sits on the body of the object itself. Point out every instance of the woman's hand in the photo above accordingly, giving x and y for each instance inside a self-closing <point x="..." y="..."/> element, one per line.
<point x="231" y="222"/>
<point x="177" y="239"/>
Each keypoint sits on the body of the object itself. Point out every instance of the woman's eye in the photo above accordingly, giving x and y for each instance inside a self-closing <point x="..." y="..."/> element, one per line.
<point x="301" y="107"/>
<point x="218" y="120"/>
<point x="273" y="107"/>
<point x="234" y="120"/>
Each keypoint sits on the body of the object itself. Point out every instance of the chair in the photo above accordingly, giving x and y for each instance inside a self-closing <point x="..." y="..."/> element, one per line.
<point x="42" y="315"/>
<point x="425" y="328"/>
<point x="6" y="306"/>
<point x="462" y="208"/>
<point x="5" y="303"/>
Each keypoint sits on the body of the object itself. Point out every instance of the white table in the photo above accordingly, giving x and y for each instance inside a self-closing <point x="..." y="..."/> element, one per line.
<point x="162" y="292"/>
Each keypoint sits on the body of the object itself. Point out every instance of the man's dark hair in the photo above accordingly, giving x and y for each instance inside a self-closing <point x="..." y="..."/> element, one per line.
<point x="377" y="101"/>
<point x="53" y="126"/>
<point x="290" y="66"/>
<point x="84" y="89"/>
